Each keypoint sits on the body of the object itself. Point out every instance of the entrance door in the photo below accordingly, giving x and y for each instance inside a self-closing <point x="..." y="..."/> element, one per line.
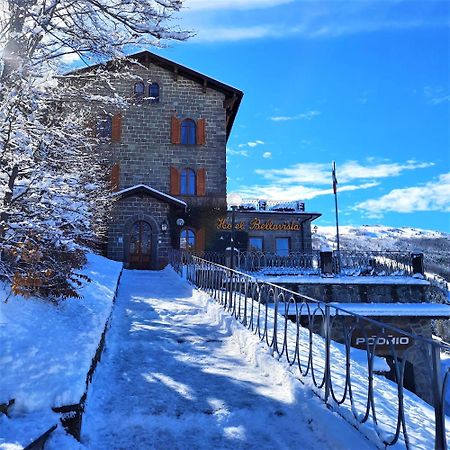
<point x="140" y="254"/>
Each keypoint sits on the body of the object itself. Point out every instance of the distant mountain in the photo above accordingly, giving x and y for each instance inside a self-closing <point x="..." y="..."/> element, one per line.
<point x="434" y="244"/>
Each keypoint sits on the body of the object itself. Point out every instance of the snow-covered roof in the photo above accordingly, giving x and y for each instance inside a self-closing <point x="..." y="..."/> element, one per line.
<point x="379" y="309"/>
<point x="143" y="188"/>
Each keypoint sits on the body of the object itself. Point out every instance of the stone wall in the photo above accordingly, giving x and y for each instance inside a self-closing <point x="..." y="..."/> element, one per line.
<point x="364" y="293"/>
<point x="126" y="212"/>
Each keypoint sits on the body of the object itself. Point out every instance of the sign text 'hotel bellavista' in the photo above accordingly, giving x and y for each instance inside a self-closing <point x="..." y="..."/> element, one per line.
<point x="259" y="225"/>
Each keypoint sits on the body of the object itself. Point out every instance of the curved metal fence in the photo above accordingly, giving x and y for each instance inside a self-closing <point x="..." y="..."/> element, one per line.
<point x="337" y="353"/>
<point x="345" y="262"/>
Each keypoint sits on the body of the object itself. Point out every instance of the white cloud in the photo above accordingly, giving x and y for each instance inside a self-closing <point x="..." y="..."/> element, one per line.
<point x="432" y="196"/>
<point x="320" y="174"/>
<point x="216" y="20"/>
<point x="436" y="95"/>
<point x="255" y="143"/>
<point x="231" y="34"/>
<point x="302" y="116"/>
<point x="294" y="192"/>
<point x="267" y="155"/>
<point x="232" y="4"/>
<point x="230" y="151"/>
<point x="251" y="144"/>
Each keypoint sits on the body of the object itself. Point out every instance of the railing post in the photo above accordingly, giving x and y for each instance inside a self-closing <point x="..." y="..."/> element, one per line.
<point x="327" y="373"/>
<point x="417" y="263"/>
<point x="440" y="441"/>
<point x="326" y="262"/>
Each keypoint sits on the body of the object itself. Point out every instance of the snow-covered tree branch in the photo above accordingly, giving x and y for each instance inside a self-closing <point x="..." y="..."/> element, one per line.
<point x="54" y="182"/>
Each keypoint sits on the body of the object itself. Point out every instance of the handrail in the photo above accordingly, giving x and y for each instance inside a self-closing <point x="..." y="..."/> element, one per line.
<point x="320" y="346"/>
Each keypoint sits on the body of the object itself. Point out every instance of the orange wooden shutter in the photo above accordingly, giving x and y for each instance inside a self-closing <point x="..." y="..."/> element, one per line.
<point x="201" y="134"/>
<point x="115" y="177"/>
<point x="200" y="240"/>
<point x="201" y="182"/>
<point x="116" y="132"/>
<point x="176" y="131"/>
<point x="174" y="181"/>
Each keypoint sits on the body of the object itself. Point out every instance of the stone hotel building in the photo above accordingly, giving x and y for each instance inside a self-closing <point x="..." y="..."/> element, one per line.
<point x="169" y="170"/>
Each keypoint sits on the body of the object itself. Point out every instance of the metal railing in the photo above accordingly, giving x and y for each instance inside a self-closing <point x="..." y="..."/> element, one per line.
<point x="309" y="263"/>
<point x="337" y="354"/>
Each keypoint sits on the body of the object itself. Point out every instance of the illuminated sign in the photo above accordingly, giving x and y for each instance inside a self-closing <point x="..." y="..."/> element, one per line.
<point x="260" y="225"/>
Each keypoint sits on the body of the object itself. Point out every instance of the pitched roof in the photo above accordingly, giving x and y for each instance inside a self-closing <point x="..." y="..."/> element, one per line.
<point x="233" y="96"/>
<point x="140" y="189"/>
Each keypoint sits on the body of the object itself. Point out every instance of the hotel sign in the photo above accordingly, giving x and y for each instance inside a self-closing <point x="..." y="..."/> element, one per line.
<point x="260" y="225"/>
<point x="383" y="343"/>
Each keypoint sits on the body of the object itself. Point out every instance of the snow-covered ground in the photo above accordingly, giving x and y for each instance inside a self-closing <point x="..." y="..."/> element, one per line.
<point x="374" y="237"/>
<point x="46" y="351"/>
<point x="180" y="373"/>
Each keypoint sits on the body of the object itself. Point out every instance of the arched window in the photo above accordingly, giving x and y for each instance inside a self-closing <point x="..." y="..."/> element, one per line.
<point x="139" y="92"/>
<point x="153" y="92"/>
<point x="187" y="239"/>
<point x="188" y="132"/>
<point x="104" y="127"/>
<point x="188" y="182"/>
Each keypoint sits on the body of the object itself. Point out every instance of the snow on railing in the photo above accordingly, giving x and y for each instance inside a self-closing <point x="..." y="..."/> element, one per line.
<point x="309" y="263"/>
<point x="319" y="347"/>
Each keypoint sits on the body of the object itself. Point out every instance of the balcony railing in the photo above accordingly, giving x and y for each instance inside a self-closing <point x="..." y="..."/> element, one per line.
<point x="316" y="262"/>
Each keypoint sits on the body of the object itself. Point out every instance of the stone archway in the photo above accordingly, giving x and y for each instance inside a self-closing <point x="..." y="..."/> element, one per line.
<point x="141" y="243"/>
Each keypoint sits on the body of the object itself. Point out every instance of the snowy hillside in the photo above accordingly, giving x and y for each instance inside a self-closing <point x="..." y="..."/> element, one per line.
<point x="434" y="244"/>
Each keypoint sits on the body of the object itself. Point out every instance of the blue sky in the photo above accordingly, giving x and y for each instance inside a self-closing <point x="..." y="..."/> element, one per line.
<point x="364" y="83"/>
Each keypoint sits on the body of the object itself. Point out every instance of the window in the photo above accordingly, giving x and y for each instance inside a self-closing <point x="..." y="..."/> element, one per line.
<point x="104" y="127"/>
<point x="188" y="132"/>
<point x="153" y="93"/>
<point x="255" y="244"/>
<point x="282" y="246"/>
<point x="188" y="182"/>
<point x="187" y="239"/>
<point x="139" y="92"/>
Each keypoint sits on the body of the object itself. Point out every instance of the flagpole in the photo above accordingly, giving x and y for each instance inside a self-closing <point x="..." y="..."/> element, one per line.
<point x="333" y="174"/>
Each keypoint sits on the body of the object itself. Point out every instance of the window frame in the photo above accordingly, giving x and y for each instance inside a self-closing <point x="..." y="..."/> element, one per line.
<point x="103" y="129"/>
<point x="288" y="240"/>
<point x="139" y="96"/>
<point x="188" y="247"/>
<point x="188" y="133"/>
<point x="188" y="181"/>
<point x="255" y="249"/>
<point x="154" y="100"/>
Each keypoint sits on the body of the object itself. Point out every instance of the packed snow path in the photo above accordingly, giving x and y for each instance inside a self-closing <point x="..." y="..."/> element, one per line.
<point x="179" y="373"/>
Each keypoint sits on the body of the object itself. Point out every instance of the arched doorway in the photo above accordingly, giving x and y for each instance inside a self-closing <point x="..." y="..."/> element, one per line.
<point x="140" y="248"/>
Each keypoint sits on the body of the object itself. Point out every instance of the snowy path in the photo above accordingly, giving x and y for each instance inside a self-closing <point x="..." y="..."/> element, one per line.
<point x="179" y="374"/>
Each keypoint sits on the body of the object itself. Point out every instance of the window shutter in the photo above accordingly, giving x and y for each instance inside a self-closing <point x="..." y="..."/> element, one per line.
<point x="176" y="131"/>
<point x="174" y="181"/>
<point x="201" y="134"/>
<point x="201" y="182"/>
<point x="200" y="240"/>
<point x="116" y="132"/>
<point x="115" y="177"/>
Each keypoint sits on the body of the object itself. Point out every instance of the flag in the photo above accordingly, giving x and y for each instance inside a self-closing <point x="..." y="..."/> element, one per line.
<point x="333" y="174"/>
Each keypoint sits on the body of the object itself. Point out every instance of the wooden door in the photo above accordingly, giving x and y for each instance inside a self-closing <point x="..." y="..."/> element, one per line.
<point x="140" y="253"/>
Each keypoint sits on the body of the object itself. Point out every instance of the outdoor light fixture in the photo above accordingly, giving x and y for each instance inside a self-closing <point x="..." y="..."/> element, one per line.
<point x="233" y="200"/>
<point x="164" y="226"/>
<point x="180" y="222"/>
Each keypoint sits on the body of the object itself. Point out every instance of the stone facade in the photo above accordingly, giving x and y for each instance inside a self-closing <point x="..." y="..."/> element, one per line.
<point x="146" y="156"/>
<point x="143" y="152"/>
